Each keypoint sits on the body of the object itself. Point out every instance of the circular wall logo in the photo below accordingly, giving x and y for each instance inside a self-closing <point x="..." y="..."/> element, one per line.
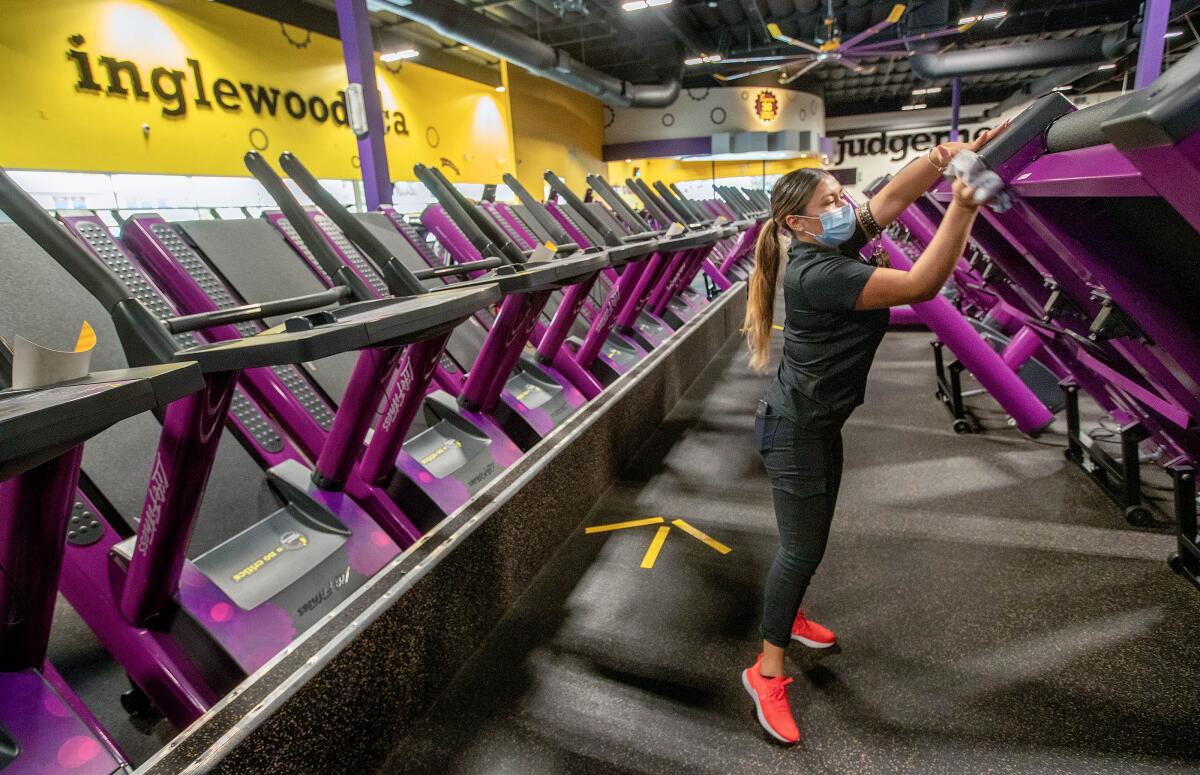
<point x="766" y="106"/>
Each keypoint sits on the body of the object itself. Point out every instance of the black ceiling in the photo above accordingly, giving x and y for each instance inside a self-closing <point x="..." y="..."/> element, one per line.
<point x="650" y="45"/>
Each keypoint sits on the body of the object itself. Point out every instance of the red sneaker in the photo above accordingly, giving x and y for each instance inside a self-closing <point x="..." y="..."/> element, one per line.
<point x="812" y="634"/>
<point x="771" y="702"/>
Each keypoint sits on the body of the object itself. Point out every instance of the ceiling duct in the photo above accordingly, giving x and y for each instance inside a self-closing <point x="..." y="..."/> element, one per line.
<point x="459" y="23"/>
<point x="1093" y="49"/>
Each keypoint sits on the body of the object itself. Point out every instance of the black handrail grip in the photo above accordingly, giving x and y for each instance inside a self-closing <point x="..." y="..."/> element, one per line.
<point x="400" y="281"/>
<point x="308" y="302"/>
<point x="297" y="216"/>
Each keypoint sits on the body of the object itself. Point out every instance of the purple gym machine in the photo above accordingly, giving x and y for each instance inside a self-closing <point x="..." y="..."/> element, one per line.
<point x="44" y="727"/>
<point x="468" y="230"/>
<point x="409" y="490"/>
<point x="1115" y="256"/>
<point x="189" y="606"/>
<point x="534" y="398"/>
<point x="983" y="300"/>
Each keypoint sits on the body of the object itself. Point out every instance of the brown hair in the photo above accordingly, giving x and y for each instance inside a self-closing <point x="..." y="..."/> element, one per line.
<point x="789" y="196"/>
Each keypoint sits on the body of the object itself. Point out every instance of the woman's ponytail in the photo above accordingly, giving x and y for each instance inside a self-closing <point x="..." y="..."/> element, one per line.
<point x="760" y="307"/>
<point x="789" y="196"/>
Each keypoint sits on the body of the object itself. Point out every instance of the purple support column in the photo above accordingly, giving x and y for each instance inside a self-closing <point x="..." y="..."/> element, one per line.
<point x="354" y="26"/>
<point x="955" y="101"/>
<point x="1150" y="49"/>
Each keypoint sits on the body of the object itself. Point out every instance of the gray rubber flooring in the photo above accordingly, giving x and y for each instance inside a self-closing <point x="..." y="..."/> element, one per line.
<point x="995" y="613"/>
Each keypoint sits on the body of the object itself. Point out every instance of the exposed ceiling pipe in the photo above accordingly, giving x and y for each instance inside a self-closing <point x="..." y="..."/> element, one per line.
<point x="1092" y="49"/>
<point x="465" y="26"/>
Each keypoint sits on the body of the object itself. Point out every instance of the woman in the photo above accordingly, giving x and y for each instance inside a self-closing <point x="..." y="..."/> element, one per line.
<point x="836" y="315"/>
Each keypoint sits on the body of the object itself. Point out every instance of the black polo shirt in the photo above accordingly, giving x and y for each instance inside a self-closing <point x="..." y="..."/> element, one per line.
<point x="828" y="346"/>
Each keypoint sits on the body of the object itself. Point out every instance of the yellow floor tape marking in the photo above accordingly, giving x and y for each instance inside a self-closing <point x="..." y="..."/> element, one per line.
<point x="623" y="525"/>
<point x="656" y="545"/>
<point x="696" y="533"/>
<point x="777" y="327"/>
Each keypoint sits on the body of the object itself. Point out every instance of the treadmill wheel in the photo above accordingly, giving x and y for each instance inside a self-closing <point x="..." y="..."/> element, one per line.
<point x="962" y="426"/>
<point x="1139" y="516"/>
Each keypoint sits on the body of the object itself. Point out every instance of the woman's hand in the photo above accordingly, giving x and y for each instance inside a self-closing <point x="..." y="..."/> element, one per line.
<point x="942" y="154"/>
<point x="964" y="196"/>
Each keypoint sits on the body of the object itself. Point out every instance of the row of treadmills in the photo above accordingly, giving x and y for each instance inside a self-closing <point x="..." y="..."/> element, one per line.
<point x="1090" y="282"/>
<point x="372" y="383"/>
<point x="377" y="379"/>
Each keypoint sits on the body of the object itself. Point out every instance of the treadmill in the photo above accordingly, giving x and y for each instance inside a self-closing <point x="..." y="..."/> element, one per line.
<point x="201" y="591"/>
<point x="44" y="726"/>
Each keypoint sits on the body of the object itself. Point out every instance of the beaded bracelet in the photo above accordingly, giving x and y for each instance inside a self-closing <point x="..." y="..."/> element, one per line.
<point x="879" y="255"/>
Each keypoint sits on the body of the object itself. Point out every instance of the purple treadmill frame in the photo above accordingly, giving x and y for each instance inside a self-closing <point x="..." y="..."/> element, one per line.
<point x="56" y="731"/>
<point x="551" y="340"/>
<point x="123" y="611"/>
<point x="442" y="226"/>
<point x="1170" y="366"/>
<point x="620" y="287"/>
<point x="455" y="384"/>
<point x="1152" y="390"/>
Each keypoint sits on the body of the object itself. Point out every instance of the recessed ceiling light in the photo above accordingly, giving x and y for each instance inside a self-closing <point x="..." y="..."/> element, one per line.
<point x="929" y="90"/>
<point x="918" y="106"/>
<point x="1062" y="88"/>
<point x="967" y="20"/>
<point x="1109" y="66"/>
<point x="987" y="17"/>
<point x="1173" y="34"/>
<point x="500" y="89"/>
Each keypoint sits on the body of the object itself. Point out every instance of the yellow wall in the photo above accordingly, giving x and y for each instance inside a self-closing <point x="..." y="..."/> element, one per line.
<point x="554" y="128"/>
<point x="48" y="122"/>
<point x="674" y="171"/>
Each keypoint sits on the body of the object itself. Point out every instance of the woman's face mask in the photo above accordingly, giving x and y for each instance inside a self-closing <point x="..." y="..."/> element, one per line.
<point x="837" y="225"/>
<point x="838" y="221"/>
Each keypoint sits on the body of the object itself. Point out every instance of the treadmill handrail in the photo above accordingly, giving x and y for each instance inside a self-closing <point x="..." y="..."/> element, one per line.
<point x="617" y="204"/>
<point x="475" y="235"/>
<point x="144" y="337"/>
<point x="508" y="248"/>
<point x="643" y="192"/>
<point x="558" y="186"/>
<point x="231" y="315"/>
<point x="305" y="228"/>
<point x="56" y="241"/>
<point x="460" y="270"/>
<point x="538" y="211"/>
<point x="684" y="213"/>
<point x="399" y="279"/>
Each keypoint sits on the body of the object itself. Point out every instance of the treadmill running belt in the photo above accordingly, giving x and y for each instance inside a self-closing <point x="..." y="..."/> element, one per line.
<point x="260" y="266"/>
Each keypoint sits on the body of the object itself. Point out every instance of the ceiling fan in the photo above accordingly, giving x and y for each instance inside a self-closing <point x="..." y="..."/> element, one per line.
<point x="828" y="46"/>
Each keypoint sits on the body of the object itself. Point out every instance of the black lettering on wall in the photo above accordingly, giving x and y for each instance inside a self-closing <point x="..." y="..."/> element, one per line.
<point x="400" y="123"/>
<point x="83" y="64"/>
<point x="295" y="105"/>
<point x="338" y="109"/>
<point x="227" y="95"/>
<point x="898" y="146"/>
<point x="174" y="102"/>
<point x="116" y="85"/>
<point x="201" y="97"/>
<point x="920" y="141"/>
<point x="260" y="97"/>
<point x="318" y="109"/>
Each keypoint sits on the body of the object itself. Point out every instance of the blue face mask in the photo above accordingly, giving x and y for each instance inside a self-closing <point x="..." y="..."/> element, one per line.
<point x="837" y="226"/>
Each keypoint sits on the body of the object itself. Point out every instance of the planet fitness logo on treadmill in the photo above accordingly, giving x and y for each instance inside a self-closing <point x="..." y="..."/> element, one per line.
<point x="123" y="77"/>
<point x="156" y="495"/>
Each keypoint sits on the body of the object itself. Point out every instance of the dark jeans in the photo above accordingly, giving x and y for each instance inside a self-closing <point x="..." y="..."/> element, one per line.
<point x="805" y="469"/>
